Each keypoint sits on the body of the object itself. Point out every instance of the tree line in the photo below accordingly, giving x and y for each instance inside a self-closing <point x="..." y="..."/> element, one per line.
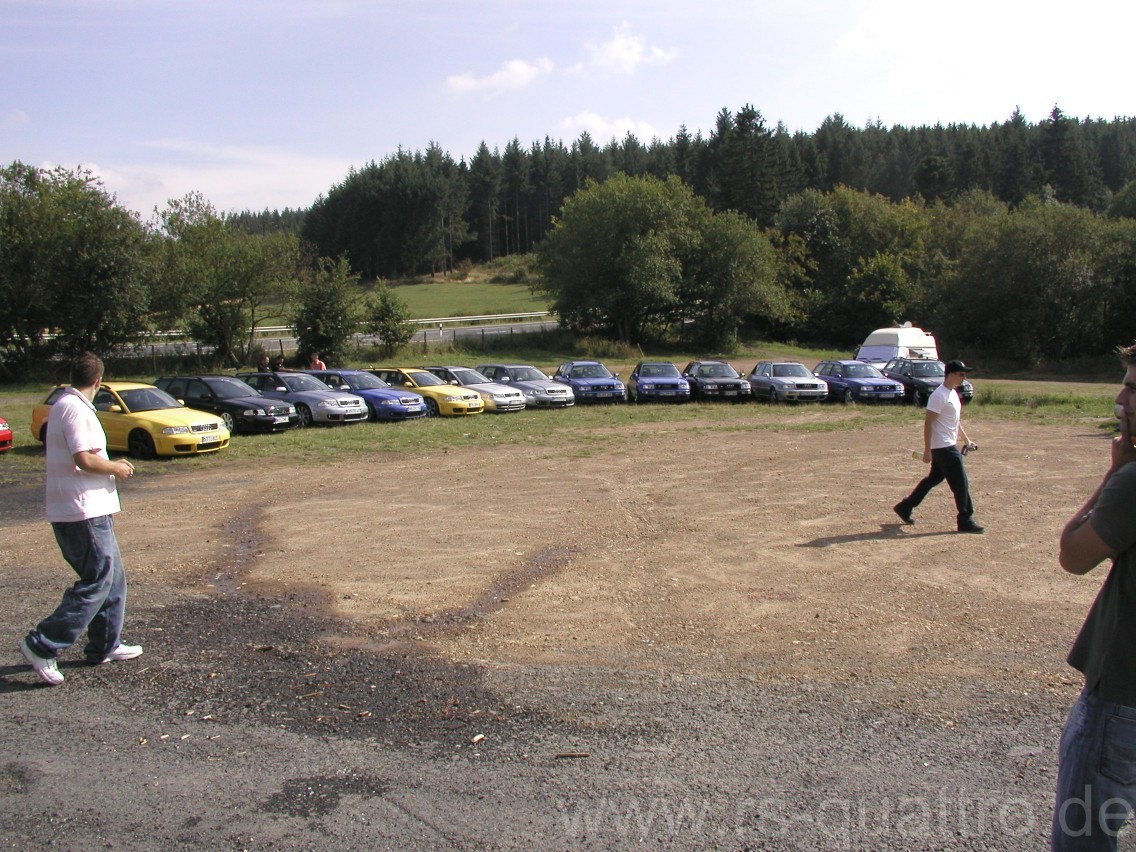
<point x="421" y="212"/>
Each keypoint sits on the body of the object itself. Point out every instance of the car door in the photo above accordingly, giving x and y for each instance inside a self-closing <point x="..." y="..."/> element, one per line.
<point x="198" y="395"/>
<point x="116" y="424"/>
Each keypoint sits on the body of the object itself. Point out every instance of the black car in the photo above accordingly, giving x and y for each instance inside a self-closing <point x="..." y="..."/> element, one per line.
<point x="920" y="378"/>
<point x="716" y="380"/>
<point x="241" y="406"/>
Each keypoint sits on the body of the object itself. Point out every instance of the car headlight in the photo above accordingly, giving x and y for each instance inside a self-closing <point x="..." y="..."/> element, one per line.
<point x="452" y="398"/>
<point x="253" y="412"/>
<point x="328" y="404"/>
<point x="390" y="402"/>
<point x="176" y="430"/>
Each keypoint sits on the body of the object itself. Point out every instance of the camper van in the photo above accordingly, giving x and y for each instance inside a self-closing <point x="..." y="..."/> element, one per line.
<point x="903" y="341"/>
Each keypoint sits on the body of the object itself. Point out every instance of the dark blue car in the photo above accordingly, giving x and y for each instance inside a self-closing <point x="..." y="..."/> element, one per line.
<point x="383" y="401"/>
<point x="657" y="380"/>
<point x="590" y="381"/>
<point x="857" y="381"/>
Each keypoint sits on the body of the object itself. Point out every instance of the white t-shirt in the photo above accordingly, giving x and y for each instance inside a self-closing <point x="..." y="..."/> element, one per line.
<point x="945" y="428"/>
<point x="72" y="494"/>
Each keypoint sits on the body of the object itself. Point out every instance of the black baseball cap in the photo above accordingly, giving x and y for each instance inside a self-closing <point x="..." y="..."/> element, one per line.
<point x="957" y="366"/>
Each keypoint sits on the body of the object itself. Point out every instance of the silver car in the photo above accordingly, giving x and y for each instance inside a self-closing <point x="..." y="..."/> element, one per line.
<point x="498" y="398"/>
<point x="786" y="381"/>
<point x="314" y="401"/>
<point x="539" y="390"/>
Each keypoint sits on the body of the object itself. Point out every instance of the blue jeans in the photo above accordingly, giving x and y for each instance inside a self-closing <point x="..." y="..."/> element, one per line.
<point x="1096" y="775"/>
<point x="946" y="463"/>
<point x="97" y="601"/>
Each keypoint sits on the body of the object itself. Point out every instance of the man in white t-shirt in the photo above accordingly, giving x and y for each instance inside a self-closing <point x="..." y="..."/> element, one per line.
<point x="941" y="429"/>
<point x="81" y="495"/>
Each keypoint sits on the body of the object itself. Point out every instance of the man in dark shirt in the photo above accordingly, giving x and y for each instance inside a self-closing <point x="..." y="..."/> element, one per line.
<point x="1096" y="779"/>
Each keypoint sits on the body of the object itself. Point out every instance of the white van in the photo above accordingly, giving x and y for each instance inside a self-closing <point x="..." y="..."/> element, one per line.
<point x="903" y="341"/>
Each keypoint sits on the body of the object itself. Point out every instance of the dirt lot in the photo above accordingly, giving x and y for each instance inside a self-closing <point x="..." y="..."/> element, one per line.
<point x="701" y="637"/>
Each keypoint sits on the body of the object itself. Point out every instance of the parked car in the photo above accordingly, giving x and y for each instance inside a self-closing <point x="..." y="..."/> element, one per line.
<point x="498" y="398"/>
<point x="144" y="421"/>
<point x="716" y="380"/>
<point x="857" y="381"/>
<point x="786" y="381"/>
<point x="920" y="378"/>
<point x="590" y="381"/>
<point x="383" y="401"/>
<point x="315" y="402"/>
<point x="657" y="380"/>
<point x="241" y="406"/>
<point x="442" y="399"/>
<point x="5" y="436"/>
<point x="538" y="389"/>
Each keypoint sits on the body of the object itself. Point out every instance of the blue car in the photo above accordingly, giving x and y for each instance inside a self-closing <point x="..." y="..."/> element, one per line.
<point x="590" y="381"/>
<point x="857" y="381"/>
<point x="657" y="380"/>
<point x="383" y="401"/>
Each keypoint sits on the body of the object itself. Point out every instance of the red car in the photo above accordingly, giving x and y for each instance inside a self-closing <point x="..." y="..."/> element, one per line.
<point x="5" y="436"/>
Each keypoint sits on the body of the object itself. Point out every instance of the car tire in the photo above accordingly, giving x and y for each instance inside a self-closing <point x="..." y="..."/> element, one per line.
<point x="305" y="413"/>
<point x="43" y="434"/>
<point x="229" y="422"/>
<point x="141" y="445"/>
<point x="372" y="413"/>
<point x="846" y="397"/>
<point x="432" y="408"/>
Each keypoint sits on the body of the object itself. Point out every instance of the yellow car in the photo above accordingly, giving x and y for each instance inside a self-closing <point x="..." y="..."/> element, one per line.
<point x="442" y="399"/>
<point x="144" y="421"/>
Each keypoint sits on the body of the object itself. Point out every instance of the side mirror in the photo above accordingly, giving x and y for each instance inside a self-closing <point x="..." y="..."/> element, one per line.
<point x="114" y="408"/>
<point x="281" y="389"/>
<point x="505" y="379"/>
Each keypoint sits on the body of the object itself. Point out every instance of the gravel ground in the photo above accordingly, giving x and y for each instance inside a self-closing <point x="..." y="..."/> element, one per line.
<point x="736" y="650"/>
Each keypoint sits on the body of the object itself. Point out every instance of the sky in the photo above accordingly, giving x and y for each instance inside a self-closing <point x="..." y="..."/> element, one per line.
<point x="267" y="104"/>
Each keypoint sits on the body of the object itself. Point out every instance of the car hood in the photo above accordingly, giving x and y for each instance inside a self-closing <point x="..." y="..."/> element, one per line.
<point x="163" y="417"/>
<point x="492" y="387"/>
<point x="537" y="384"/>
<point x="386" y="393"/>
<point x="591" y="383"/>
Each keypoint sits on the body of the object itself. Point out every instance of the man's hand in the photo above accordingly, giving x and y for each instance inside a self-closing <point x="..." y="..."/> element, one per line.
<point x="123" y="469"/>
<point x="1123" y="452"/>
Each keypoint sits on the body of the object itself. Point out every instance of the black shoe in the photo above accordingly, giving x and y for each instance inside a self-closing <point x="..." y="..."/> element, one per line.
<point x="971" y="527"/>
<point x="904" y="513"/>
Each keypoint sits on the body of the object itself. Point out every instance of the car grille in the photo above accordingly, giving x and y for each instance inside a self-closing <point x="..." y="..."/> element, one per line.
<point x="469" y="396"/>
<point x="553" y="391"/>
<point x="407" y="400"/>
<point x="204" y="427"/>
<point x="348" y="403"/>
<point x="602" y="387"/>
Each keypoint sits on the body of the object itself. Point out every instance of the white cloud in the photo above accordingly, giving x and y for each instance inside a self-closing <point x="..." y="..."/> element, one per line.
<point x="513" y="75"/>
<point x="18" y="118"/>
<point x="623" y="53"/>
<point x="603" y="130"/>
<point x="232" y="178"/>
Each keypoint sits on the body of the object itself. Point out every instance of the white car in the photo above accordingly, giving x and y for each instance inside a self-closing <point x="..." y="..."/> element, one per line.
<point x="539" y="390"/>
<point x="499" y="398"/>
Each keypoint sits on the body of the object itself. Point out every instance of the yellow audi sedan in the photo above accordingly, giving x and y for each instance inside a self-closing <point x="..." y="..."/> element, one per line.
<point x="144" y="421"/>
<point x="442" y="399"/>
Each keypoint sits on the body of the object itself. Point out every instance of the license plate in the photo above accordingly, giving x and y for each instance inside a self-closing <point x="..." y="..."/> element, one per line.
<point x="666" y="393"/>
<point x="279" y="419"/>
<point x="414" y="408"/>
<point x="210" y="439"/>
<point x="731" y="393"/>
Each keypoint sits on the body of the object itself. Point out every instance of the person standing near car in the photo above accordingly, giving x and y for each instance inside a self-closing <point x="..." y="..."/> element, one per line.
<point x="314" y="363"/>
<point x="81" y="495"/>
<point x="942" y="426"/>
<point x="1096" y="774"/>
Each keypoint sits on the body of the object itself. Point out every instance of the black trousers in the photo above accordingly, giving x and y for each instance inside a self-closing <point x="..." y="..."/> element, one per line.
<point x="946" y="463"/>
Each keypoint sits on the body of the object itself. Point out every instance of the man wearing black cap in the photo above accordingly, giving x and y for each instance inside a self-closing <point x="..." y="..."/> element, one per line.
<point x="941" y="429"/>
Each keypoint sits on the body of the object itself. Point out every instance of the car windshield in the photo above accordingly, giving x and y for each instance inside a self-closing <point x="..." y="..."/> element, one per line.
<point x="925" y="369"/>
<point x="861" y="371"/>
<point x="659" y="371"/>
<point x="231" y="388"/>
<point x="790" y="370"/>
<point x="590" y="371"/>
<point x="424" y="379"/>
<point x="717" y="371"/>
<point x="302" y="382"/>
<point x="526" y="374"/>
<point x="469" y="377"/>
<point x="147" y="399"/>
<point x="363" y="381"/>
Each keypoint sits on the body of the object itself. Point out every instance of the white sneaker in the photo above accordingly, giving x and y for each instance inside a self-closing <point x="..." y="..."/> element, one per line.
<point x="45" y="667"/>
<point x="123" y="652"/>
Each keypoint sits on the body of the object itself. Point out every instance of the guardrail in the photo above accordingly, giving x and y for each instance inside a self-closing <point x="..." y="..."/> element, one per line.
<point x="528" y="316"/>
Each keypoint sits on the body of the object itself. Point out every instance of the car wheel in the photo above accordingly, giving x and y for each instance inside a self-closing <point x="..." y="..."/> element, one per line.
<point x="431" y="408"/>
<point x="372" y="413"/>
<point x="846" y="397"/>
<point x="230" y="424"/>
<point x="772" y="396"/>
<point x="141" y="445"/>
<point x="305" y="416"/>
<point x="43" y="434"/>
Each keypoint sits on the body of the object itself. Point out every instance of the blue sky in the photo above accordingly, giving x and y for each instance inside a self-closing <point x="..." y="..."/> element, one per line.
<point x="267" y="103"/>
